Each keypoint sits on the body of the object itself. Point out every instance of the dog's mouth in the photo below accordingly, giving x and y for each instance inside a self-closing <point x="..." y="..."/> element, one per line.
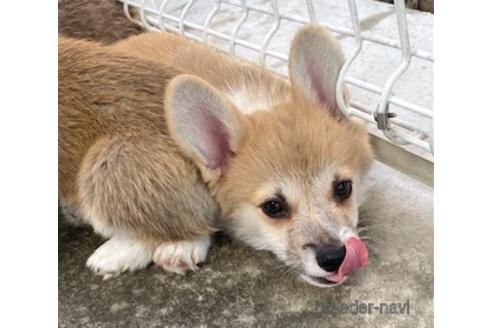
<point x="355" y="259"/>
<point x="321" y="281"/>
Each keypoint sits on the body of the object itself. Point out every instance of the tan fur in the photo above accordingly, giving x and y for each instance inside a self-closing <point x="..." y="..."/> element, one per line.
<point x="131" y="162"/>
<point x="304" y="139"/>
<point x="95" y="20"/>
<point x="288" y="140"/>
<point x="225" y="73"/>
<point x="117" y="164"/>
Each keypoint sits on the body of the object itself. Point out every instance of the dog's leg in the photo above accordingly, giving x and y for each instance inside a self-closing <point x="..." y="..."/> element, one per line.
<point x="181" y="256"/>
<point x="119" y="254"/>
<point x="139" y="206"/>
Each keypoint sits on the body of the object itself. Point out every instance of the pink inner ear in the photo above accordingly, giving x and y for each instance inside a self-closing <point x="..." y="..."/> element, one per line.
<point x="323" y="95"/>
<point x="214" y="139"/>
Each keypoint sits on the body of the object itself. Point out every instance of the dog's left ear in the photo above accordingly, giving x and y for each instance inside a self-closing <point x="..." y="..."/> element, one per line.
<point x="314" y="63"/>
<point x="204" y="124"/>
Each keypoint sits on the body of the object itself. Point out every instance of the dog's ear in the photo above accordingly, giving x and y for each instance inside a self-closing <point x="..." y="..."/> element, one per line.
<point x="205" y="125"/>
<point x="314" y="63"/>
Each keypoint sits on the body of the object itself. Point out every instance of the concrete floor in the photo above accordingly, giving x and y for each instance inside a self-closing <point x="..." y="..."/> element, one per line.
<point x="241" y="287"/>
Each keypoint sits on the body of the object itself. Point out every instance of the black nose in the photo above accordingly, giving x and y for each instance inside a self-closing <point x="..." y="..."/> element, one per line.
<point x="330" y="258"/>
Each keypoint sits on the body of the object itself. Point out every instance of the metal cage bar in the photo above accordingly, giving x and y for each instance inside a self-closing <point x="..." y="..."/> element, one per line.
<point x="399" y="131"/>
<point x="235" y="31"/>
<point x="271" y="32"/>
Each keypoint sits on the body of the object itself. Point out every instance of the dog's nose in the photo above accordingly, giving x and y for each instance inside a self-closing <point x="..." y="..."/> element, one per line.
<point x="330" y="258"/>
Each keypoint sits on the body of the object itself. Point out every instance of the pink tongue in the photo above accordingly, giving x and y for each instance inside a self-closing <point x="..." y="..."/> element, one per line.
<point x="355" y="258"/>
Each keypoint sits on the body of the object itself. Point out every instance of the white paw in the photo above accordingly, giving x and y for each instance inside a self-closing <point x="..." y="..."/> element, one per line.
<point x="181" y="256"/>
<point x="118" y="255"/>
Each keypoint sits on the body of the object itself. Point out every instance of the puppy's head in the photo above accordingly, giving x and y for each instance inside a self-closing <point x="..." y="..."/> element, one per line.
<point x="287" y="179"/>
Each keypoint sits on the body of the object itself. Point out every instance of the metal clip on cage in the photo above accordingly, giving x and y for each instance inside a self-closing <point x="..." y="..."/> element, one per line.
<point x="399" y="143"/>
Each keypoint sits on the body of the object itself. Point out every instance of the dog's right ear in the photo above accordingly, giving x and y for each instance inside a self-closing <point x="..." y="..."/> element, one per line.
<point x="315" y="61"/>
<point x="205" y="125"/>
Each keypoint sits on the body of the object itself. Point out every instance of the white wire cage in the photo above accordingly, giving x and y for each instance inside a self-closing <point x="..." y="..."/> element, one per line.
<point x="389" y="66"/>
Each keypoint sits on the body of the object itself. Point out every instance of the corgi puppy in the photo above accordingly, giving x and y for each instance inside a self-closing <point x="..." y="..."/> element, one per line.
<point x="163" y="141"/>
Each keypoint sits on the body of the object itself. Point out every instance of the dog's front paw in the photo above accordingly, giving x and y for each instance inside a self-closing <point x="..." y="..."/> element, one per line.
<point x="181" y="256"/>
<point x="118" y="255"/>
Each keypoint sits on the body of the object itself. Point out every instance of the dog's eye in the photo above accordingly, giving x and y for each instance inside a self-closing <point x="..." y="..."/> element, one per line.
<point x="343" y="189"/>
<point x="275" y="208"/>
